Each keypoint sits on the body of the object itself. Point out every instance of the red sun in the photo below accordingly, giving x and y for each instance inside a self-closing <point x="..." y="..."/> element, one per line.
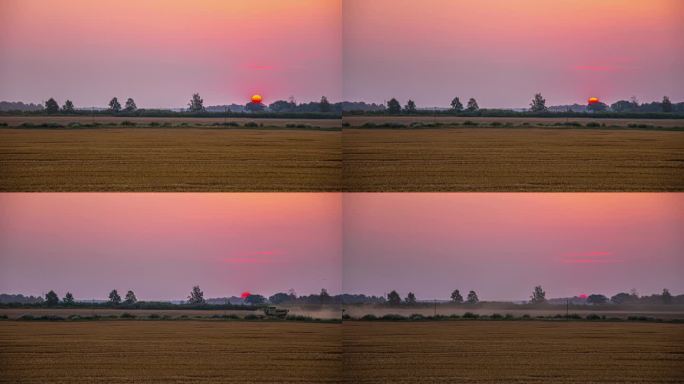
<point x="256" y="99"/>
<point x="583" y="296"/>
<point x="245" y="295"/>
<point x="593" y="100"/>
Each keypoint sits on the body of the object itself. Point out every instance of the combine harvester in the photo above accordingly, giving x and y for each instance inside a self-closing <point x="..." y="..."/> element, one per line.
<point x="276" y="312"/>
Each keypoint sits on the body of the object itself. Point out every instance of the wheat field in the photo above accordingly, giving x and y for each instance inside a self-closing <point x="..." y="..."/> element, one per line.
<point x="512" y="352"/>
<point x="169" y="352"/>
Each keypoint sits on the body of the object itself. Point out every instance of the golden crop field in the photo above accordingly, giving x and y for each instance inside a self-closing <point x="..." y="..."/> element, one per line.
<point x="169" y="159"/>
<point x="512" y="352"/>
<point x="512" y="159"/>
<point x="169" y="352"/>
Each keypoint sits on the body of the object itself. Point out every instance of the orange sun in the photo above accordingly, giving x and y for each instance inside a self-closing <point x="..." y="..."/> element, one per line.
<point x="593" y="100"/>
<point x="245" y="295"/>
<point x="256" y="99"/>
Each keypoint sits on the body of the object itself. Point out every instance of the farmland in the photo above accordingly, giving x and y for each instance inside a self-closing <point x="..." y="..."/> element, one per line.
<point x="512" y="159"/>
<point x="169" y="352"/>
<point x="169" y="159"/>
<point x="512" y="352"/>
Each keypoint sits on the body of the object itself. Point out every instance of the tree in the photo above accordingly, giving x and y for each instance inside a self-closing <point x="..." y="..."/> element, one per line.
<point x="597" y="299"/>
<point x="114" y="297"/>
<point x="282" y="106"/>
<point x="130" y="298"/>
<point x="130" y="105"/>
<point x="68" y="299"/>
<point x="279" y="298"/>
<point x="410" y="107"/>
<point x="472" y="105"/>
<point x="51" y="298"/>
<point x="456" y="297"/>
<point x="667" y="296"/>
<point x="114" y="105"/>
<point x="410" y="299"/>
<point x="255" y="107"/>
<point x="324" y="104"/>
<point x="622" y="298"/>
<point x="597" y="107"/>
<point x="667" y="105"/>
<point x="196" y="104"/>
<point x="472" y="298"/>
<point x="393" y="106"/>
<point x="324" y="296"/>
<point x="625" y="106"/>
<point x="393" y="298"/>
<point x="255" y="300"/>
<point x="196" y="296"/>
<point x="538" y="103"/>
<point x="68" y="107"/>
<point x="456" y="105"/>
<point x="51" y="106"/>
<point x="538" y="296"/>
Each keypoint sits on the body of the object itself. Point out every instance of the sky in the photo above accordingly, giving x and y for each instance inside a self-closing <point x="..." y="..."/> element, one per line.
<point x="503" y="244"/>
<point x="160" y="52"/>
<point x="162" y="244"/>
<point x="502" y="52"/>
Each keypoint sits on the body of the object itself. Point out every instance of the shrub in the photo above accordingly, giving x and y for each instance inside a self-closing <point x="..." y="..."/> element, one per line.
<point x="393" y="317"/>
<point x="127" y="123"/>
<point x="470" y="123"/>
<point x="496" y="316"/>
<point x="593" y="317"/>
<point x="127" y="315"/>
<point x="470" y="315"/>
<point x="346" y="317"/>
<point x="154" y="316"/>
<point x="526" y="316"/>
<point x="369" y="317"/>
<point x="593" y="124"/>
<point x="417" y="316"/>
<point x="3" y="317"/>
<point x="3" y="124"/>
<point x="251" y="124"/>
<point x="252" y="316"/>
<point x="154" y="124"/>
<point x="26" y="317"/>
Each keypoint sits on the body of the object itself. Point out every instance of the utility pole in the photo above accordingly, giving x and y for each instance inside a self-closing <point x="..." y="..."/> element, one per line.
<point x="567" y="304"/>
<point x="435" y="308"/>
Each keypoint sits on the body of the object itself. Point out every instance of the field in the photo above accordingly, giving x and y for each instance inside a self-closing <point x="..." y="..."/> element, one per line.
<point x="512" y="159"/>
<point x="169" y="352"/>
<point x="512" y="352"/>
<point x="169" y="159"/>
<point x="669" y="312"/>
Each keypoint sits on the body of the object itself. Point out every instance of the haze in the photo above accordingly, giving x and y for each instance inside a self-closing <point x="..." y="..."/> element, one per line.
<point x="502" y="52"/>
<point x="161" y="244"/>
<point x="503" y="244"/>
<point x="161" y="51"/>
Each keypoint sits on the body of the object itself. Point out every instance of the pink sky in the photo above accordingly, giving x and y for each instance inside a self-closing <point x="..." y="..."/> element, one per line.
<point x="161" y="51"/>
<point x="503" y="244"/>
<point x="502" y="52"/>
<point x="161" y="244"/>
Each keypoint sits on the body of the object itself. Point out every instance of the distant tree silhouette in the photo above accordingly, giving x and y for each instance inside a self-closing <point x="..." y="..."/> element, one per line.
<point x="472" y="105"/>
<point x="255" y="300"/>
<point x="623" y="298"/>
<point x="324" y="296"/>
<point x="667" y="296"/>
<point x="456" y="105"/>
<point x="410" y="107"/>
<point x="393" y="298"/>
<point x="279" y="298"/>
<point x="196" y="296"/>
<point x="68" y="299"/>
<point x="114" y="297"/>
<point x="51" y="106"/>
<point x="393" y="106"/>
<point x="472" y="298"/>
<point x="597" y="299"/>
<point x="130" y="298"/>
<point x="410" y="298"/>
<point x="597" y="107"/>
<point x="538" y="295"/>
<point x="196" y="104"/>
<point x="130" y="105"/>
<point x="456" y="297"/>
<point x="282" y="106"/>
<point x="538" y="103"/>
<point x="324" y="104"/>
<point x="51" y="298"/>
<point x="114" y="105"/>
<point x="68" y="107"/>
<point x="667" y="104"/>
